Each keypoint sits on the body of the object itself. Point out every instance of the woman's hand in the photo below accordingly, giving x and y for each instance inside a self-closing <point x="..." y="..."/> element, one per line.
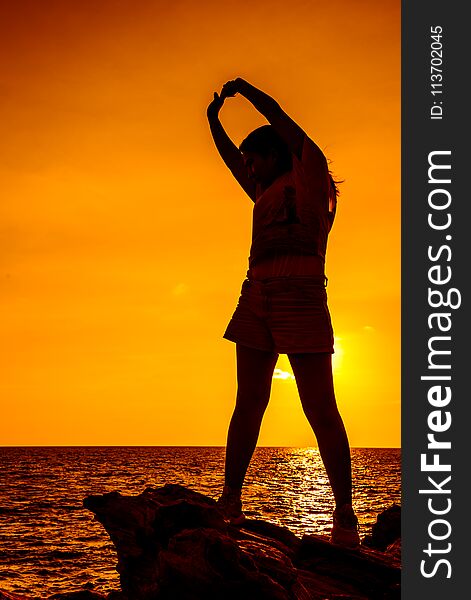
<point x="229" y="89"/>
<point x="215" y="106"/>
<point x="232" y="87"/>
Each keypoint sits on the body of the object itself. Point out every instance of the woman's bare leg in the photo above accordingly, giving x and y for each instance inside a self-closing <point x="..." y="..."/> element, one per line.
<point x="254" y="376"/>
<point x="314" y="380"/>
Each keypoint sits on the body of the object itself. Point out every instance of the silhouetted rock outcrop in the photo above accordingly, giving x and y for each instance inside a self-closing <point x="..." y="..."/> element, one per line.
<point x="172" y="543"/>
<point x="387" y="529"/>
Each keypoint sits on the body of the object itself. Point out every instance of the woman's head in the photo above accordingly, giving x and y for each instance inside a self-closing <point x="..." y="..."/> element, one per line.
<point x="265" y="154"/>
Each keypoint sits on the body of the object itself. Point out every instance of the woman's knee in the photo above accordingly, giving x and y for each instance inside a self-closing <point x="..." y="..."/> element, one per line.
<point x="251" y="405"/>
<point x="323" y="416"/>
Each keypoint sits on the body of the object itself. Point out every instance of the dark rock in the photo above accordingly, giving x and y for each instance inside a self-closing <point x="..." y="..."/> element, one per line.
<point x="172" y="543"/>
<point x="202" y="563"/>
<point x="386" y="530"/>
<point x="394" y="549"/>
<point x="357" y="571"/>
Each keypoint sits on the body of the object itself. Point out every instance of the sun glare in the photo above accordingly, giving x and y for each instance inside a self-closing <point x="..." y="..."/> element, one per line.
<point x="338" y="355"/>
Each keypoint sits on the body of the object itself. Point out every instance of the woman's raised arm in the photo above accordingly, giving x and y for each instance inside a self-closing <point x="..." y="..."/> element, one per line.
<point x="290" y="131"/>
<point x="229" y="152"/>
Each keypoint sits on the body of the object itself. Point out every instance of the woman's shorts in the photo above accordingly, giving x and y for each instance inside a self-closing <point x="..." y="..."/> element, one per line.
<point x="286" y="315"/>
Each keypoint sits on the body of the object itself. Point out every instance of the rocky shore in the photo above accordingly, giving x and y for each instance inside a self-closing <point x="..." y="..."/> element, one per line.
<point x="173" y="544"/>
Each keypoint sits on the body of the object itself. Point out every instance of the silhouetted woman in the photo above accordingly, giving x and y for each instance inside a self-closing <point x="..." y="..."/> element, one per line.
<point x="282" y="308"/>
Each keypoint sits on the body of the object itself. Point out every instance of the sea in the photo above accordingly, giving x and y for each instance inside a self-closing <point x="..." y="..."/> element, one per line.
<point x="50" y="544"/>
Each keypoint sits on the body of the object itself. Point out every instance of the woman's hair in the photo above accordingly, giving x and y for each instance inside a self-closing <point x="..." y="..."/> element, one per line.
<point x="265" y="139"/>
<point x="333" y="194"/>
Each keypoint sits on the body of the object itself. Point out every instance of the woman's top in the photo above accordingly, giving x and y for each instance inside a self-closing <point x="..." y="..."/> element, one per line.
<point x="292" y="219"/>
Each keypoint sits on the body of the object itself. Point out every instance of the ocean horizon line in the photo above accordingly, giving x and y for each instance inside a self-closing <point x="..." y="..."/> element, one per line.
<point x="175" y="446"/>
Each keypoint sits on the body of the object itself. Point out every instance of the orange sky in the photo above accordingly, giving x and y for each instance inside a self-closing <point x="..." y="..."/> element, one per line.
<point x="124" y="238"/>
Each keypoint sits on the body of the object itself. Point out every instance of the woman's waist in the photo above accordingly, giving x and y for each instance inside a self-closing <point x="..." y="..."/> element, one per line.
<point x="312" y="287"/>
<point x="287" y="265"/>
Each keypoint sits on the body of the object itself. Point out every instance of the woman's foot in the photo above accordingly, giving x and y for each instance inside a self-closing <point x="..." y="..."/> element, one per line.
<point x="345" y="527"/>
<point x="230" y="505"/>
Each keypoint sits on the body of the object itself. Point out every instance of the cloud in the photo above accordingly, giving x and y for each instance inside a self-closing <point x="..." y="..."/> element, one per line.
<point x="279" y="374"/>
